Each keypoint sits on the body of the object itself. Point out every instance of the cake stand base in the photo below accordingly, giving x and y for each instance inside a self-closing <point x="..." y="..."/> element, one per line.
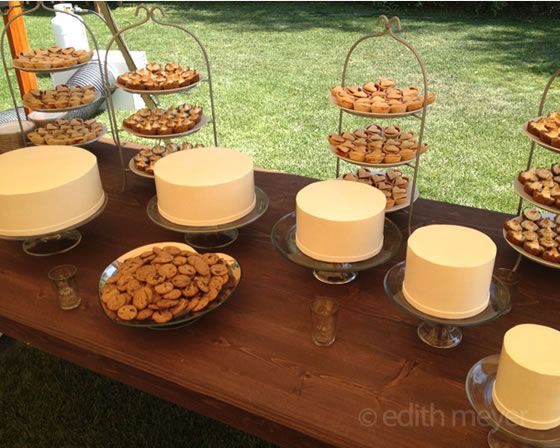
<point x="440" y="336"/>
<point x="209" y="241"/>
<point x="498" y="440"/>
<point x="54" y="244"/>
<point x="335" y="278"/>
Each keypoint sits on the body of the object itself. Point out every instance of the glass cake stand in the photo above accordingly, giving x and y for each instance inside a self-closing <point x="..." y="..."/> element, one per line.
<point x="284" y="241"/>
<point x="211" y="237"/>
<point x="446" y="333"/>
<point x="505" y="433"/>
<point x="58" y="242"/>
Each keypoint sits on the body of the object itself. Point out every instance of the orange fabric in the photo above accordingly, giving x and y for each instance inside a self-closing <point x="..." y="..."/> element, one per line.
<point x="17" y="38"/>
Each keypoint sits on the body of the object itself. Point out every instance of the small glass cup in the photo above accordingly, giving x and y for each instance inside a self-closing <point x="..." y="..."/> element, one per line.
<point x="324" y="314"/>
<point x="65" y="285"/>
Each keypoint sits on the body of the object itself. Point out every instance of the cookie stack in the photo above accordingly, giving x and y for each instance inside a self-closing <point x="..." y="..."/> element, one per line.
<point x="61" y="97"/>
<point x="542" y="184"/>
<point x="52" y="58"/>
<point x="156" y="77"/>
<point x="67" y="132"/>
<point x="163" y="284"/>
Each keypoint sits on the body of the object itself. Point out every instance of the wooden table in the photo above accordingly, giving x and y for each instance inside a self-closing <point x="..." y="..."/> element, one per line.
<point x="252" y="364"/>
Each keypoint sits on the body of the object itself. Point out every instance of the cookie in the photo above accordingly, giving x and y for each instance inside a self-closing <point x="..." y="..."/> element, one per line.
<point x="191" y="291"/>
<point x="143" y="272"/>
<point x="187" y="269"/>
<point x="115" y="302"/>
<point x="163" y="258"/>
<point x="211" y="258"/>
<point x="168" y="270"/>
<point x="179" y="260"/>
<point x="201" y="284"/>
<point x="174" y="294"/>
<point x="142" y="297"/>
<point x="172" y="250"/>
<point x="144" y="314"/>
<point x="219" y="269"/>
<point x="197" y="262"/>
<point x="203" y="303"/>
<point x="164" y="288"/>
<point x="162" y="317"/>
<point x="180" y="307"/>
<point x="154" y="278"/>
<point x="181" y="281"/>
<point x="127" y="312"/>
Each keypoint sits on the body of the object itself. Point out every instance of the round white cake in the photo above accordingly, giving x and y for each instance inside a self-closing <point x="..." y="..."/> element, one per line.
<point x="44" y="189"/>
<point x="527" y="387"/>
<point x="449" y="271"/>
<point x="205" y="187"/>
<point x="339" y="221"/>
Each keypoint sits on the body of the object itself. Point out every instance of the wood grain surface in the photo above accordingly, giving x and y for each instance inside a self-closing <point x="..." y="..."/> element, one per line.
<point x="252" y="364"/>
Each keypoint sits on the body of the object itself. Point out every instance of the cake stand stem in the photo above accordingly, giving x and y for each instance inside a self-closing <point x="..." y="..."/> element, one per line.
<point x="439" y="336"/>
<point x="53" y="244"/>
<point x="498" y="440"/>
<point x="335" y="278"/>
<point x="209" y="241"/>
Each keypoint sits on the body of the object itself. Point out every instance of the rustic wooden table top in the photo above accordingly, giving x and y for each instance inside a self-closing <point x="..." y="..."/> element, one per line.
<point x="252" y="364"/>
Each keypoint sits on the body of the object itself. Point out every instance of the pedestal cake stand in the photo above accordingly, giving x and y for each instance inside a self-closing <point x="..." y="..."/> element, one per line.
<point x="505" y="433"/>
<point x="211" y="237"/>
<point x="446" y="333"/>
<point x="57" y="242"/>
<point x="284" y="241"/>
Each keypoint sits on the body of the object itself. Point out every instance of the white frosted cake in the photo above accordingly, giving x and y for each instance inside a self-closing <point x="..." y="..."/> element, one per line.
<point x="527" y="387"/>
<point x="339" y="221"/>
<point x="205" y="187"/>
<point x="449" y="271"/>
<point x="45" y="189"/>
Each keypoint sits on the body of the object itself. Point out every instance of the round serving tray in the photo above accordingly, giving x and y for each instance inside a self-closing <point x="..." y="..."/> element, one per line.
<point x="532" y="257"/>
<point x="518" y="187"/>
<point x="371" y="165"/>
<point x="158" y="92"/>
<point x="371" y="114"/>
<point x="65" y="109"/>
<point x="80" y="144"/>
<point x="132" y="167"/>
<point x="203" y="122"/>
<point x="536" y="139"/>
<point x="180" y="320"/>
<point x="50" y="70"/>
<point x="284" y="240"/>
<point x="479" y="385"/>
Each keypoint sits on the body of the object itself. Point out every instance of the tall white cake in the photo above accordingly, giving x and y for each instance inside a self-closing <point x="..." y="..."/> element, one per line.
<point x="205" y="187"/>
<point x="449" y="271"/>
<point x="339" y="221"/>
<point x="45" y="189"/>
<point x="527" y="387"/>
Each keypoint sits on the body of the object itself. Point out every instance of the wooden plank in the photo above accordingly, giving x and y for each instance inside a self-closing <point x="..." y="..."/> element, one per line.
<point x="251" y="364"/>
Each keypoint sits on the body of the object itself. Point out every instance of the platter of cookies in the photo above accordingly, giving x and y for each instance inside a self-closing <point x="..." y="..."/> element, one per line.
<point x="143" y="163"/>
<point x="74" y="132"/>
<point x="545" y="131"/>
<point x="381" y="99"/>
<point x="392" y="183"/>
<point x="155" y="79"/>
<point x="171" y="122"/>
<point x="376" y="146"/>
<point x="541" y="186"/>
<point x="166" y="285"/>
<point x="536" y="236"/>
<point x="53" y="59"/>
<point x="62" y="98"/>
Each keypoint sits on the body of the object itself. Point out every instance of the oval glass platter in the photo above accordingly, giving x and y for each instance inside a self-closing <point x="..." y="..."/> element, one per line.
<point x="373" y="114"/>
<point x="203" y="122"/>
<point x="186" y="317"/>
<point x="158" y="92"/>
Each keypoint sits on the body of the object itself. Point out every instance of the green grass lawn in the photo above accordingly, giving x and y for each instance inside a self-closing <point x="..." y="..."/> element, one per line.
<point x="272" y="67"/>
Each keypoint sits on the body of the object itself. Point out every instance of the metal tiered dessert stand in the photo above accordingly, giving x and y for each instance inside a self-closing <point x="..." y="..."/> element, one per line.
<point x="106" y="93"/>
<point x="519" y="190"/>
<point x="284" y="240"/>
<point x="150" y="14"/>
<point x="420" y="114"/>
<point x="504" y="434"/>
<point x="446" y="333"/>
